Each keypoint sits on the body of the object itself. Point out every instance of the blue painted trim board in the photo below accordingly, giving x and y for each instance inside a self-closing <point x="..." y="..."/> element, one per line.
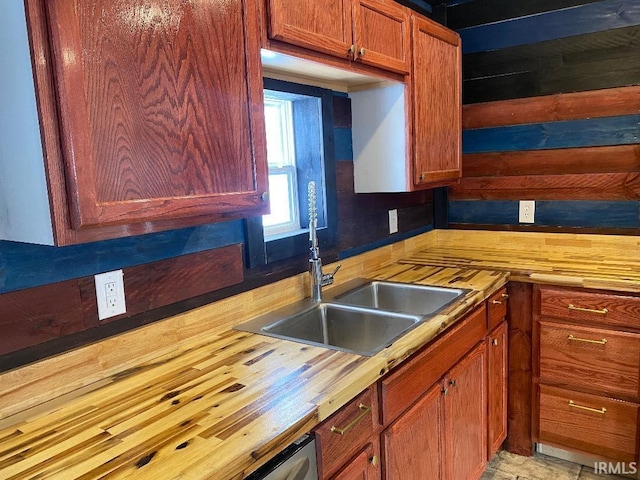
<point x="621" y="130"/>
<point x="567" y="22"/>
<point x="24" y="265"/>
<point x="587" y="214"/>
<point x="343" y="143"/>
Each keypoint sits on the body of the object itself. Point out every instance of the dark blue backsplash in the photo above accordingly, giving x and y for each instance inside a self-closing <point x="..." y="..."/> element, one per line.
<point x="24" y="265"/>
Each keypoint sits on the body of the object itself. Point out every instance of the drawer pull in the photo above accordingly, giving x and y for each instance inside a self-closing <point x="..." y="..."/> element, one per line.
<point x="602" y="311"/>
<point x="505" y="295"/>
<point x="588" y="409"/>
<point x="587" y="340"/>
<point x="496" y="302"/>
<point x="341" y="431"/>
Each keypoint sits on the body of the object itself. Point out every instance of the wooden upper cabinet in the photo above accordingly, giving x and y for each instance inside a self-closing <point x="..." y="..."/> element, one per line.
<point x="382" y="34"/>
<point x="375" y="32"/>
<point x="322" y="25"/>
<point x="157" y="107"/>
<point x="437" y="104"/>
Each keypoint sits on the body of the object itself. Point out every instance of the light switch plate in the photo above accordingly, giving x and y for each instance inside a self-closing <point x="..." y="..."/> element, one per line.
<point x="110" y="294"/>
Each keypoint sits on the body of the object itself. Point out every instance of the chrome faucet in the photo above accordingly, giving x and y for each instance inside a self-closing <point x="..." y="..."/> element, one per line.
<point x="317" y="279"/>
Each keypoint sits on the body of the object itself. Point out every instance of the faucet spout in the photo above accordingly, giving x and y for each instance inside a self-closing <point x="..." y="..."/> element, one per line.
<point x="317" y="279"/>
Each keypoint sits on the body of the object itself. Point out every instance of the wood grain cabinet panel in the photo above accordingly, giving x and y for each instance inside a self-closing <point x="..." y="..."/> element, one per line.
<point x="590" y="358"/>
<point x="465" y="433"/>
<point x="436" y="87"/>
<point x="364" y="466"/>
<point x="606" y="309"/>
<point x="321" y="25"/>
<point x="159" y="110"/>
<point x="346" y="432"/>
<point x="382" y="34"/>
<point x="412" y="447"/>
<point x="375" y="32"/>
<point x="594" y="425"/>
<point x="497" y="347"/>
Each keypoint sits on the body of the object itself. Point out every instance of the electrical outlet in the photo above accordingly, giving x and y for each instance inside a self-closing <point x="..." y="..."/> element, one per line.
<point x="527" y="211"/>
<point x="110" y="294"/>
<point x="393" y="221"/>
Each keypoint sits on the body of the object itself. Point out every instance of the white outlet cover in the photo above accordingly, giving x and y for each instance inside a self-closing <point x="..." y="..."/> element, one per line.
<point x="110" y="294"/>
<point x="393" y="221"/>
<point x="527" y="211"/>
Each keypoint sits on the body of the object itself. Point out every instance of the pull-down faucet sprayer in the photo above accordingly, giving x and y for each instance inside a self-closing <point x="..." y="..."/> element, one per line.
<point x="317" y="279"/>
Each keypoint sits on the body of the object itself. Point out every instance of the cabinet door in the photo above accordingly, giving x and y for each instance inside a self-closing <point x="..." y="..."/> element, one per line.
<point x="382" y="34"/>
<point x="364" y="466"/>
<point x="497" y="388"/>
<point x="465" y="418"/>
<point x="437" y="104"/>
<point x="412" y="445"/>
<point x="321" y="25"/>
<point x="160" y="109"/>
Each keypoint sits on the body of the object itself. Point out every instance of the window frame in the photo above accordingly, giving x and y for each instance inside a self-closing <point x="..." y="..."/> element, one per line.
<point x="260" y="252"/>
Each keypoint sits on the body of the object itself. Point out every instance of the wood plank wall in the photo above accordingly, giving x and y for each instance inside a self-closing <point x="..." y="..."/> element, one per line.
<point x="47" y="294"/>
<point x="551" y="114"/>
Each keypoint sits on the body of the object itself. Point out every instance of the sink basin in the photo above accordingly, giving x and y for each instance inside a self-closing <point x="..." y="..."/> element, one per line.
<point x="340" y="327"/>
<point x="401" y="297"/>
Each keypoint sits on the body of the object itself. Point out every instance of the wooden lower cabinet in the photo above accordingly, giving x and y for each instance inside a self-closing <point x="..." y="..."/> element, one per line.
<point x="432" y="419"/>
<point x="411" y="446"/>
<point x="497" y="348"/>
<point x="443" y="435"/>
<point x="588" y="370"/>
<point x="465" y="418"/>
<point x="594" y="425"/>
<point x="364" y="466"/>
<point x="342" y="438"/>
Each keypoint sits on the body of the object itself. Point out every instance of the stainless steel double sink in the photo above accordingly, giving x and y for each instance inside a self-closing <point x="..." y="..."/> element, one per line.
<point x="363" y="319"/>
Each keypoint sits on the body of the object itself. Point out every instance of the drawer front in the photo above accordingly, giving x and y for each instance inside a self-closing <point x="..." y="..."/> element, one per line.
<point x="347" y="432"/>
<point x="497" y="308"/>
<point x="588" y="423"/>
<point x="404" y="386"/>
<point x="592" y="358"/>
<point x="599" y="308"/>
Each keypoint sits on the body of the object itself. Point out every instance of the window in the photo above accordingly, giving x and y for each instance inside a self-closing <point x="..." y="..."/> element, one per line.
<point x="281" y="155"/>
<point x="299" y="125"/>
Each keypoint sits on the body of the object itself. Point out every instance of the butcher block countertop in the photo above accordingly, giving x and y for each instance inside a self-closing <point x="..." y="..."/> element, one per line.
<point x="605" y="262"/>
<point x="220" y="408"/>
<point x="225" y="401"/>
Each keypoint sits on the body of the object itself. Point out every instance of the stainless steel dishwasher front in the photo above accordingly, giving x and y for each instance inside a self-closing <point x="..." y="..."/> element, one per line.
<point x="296" y="462"/>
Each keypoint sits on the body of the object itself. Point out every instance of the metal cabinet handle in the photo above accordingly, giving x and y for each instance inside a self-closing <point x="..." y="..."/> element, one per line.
<point x="374" y="460"/>
<point x="352" y="49"/>
<point x="452" y="383"/>
<point x="588" y="409"/>
<point x="505" y="295"/>
<point x="363" y="411"/>
<point x="587" y="340"/>
<point x="495" y="342"/>
<point x="362" y="51"/>
<point x="602" y="311"/>
<point x="496" y="302"/>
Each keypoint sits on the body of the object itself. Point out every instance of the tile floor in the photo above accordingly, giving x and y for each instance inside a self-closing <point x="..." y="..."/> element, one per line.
<point x="507" y="466"/>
